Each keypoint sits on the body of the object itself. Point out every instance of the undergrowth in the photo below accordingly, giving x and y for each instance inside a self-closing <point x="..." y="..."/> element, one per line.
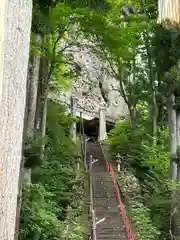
<point x="56" y="187"/>
<point x="144" y="179"/>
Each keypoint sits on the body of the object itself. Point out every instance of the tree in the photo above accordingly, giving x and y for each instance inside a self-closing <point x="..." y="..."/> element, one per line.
<point x="120" y="43"/>
<point x="32" y="84"/>
<point x="52" y="21"/>
<point x="169" y="18"/>
<point x="12" y="109"/>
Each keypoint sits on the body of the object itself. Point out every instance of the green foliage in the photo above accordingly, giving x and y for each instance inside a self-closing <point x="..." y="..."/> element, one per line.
<point x="38" y="218"/>
<point x="58" y="130"/>
<point x="150" y="165"/>
<point x="144" y="227"/>
<point x="166" y="48"/>
<point x="120" y="133"/>
<point x="121" y="43"/>
<point x="93" y="4"/>
<point x="144" y="85"/>
<point x="57" y="171"/>
<point x="142" y="57"/>
<point x="130" y="147"/>
<point x="32" y="151"/>
<point x="54" y="27"/>
<point x="54" y="184"/>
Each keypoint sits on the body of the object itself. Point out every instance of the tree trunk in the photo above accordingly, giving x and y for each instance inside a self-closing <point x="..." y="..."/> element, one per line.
<point x="178" y="141"/>
<point x="133" y="114"/>
<point x="16" y="54"/>
<point x="153" y="102"/>
<point x="3" y="17"/>
<point x="161" y="103"/>
<point x="44" y="99"/>
<point x="169" y="13"/>
<point x="19" y="199"/>
<point x="21" y="173"/>
<point x="175" y="212"/>
<point x="175" y="223"/>
<point x="73" y="114"/>
<point x="169" y="17"/>
<point x="33" y="89"/>
<point x="29" y="121"/>
<point x="39" y="96"/>
<point x="43" y="121"/>
<point x="172" y="135"/>
<point x="154" y="115"/>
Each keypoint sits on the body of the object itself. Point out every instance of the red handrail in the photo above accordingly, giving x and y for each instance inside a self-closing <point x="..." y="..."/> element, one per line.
<point x="121" y="206"/>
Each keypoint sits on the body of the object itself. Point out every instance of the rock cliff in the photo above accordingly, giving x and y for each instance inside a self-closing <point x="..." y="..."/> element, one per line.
<point x="94" y="87"/>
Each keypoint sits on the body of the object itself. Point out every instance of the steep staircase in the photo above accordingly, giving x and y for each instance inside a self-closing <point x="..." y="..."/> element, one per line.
<point x="104" y="199"/>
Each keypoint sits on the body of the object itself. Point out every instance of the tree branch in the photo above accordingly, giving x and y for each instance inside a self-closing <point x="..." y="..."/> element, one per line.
<point x="119" y="77"/>
<point x="68" y="46"/>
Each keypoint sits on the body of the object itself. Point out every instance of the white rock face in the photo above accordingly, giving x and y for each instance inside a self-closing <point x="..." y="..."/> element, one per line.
<point x="86" y="87"/>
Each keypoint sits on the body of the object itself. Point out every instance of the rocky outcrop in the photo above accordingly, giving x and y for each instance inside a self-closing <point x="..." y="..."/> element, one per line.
<point x="94" y="87"/>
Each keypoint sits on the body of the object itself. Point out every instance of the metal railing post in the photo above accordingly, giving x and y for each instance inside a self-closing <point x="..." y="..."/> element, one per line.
<point x="85" y="148"/>
<point x="91" y="198"/>
<point x="90" y="184"/>
<point x="121" y="206"/>
<point x="93" y="224"/>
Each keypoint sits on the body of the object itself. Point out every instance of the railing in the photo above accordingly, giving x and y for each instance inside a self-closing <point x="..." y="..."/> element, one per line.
<point x="110" y="169"/>
<point x="88" y="169"/>
<point x="121" y="206"/>
<point x="92" y="211"/>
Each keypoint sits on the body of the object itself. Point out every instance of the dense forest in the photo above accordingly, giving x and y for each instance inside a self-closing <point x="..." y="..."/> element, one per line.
<point x="42" y="192"/>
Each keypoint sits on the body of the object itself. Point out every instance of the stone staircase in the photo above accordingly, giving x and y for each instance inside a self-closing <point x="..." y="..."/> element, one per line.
<point x="104" y="199"/>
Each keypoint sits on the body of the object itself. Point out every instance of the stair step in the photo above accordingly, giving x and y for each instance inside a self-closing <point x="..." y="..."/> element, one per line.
<point x="104" y="199"/>
<point x="110" y="237"/>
